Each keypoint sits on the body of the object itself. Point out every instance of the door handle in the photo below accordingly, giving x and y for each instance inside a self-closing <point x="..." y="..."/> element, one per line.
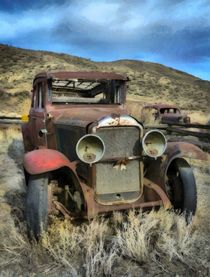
<point x="42" y="132"/>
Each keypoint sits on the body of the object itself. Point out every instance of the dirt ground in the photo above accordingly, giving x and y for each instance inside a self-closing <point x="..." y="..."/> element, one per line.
<point x="144" y="244"/>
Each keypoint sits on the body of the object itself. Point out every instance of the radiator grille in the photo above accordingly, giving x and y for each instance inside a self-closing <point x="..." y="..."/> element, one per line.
<point x="117" y="179"/>
<point x="120" y="142"/>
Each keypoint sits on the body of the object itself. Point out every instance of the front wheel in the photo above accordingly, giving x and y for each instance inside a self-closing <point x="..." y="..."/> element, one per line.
<point x="181" y="188"/>
<point x="36" y="207"/>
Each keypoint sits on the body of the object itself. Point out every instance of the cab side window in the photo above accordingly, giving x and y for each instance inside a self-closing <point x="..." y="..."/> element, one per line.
<point x="40" y="96"/>
<point x="38" y="100"/>
<point x="34" y="97"/>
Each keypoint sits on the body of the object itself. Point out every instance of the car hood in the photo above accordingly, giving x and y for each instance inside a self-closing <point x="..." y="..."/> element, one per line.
<point x="83" y="116"/>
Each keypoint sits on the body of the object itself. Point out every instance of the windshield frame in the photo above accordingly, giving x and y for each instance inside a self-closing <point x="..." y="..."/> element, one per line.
<point x="113" y="91"/>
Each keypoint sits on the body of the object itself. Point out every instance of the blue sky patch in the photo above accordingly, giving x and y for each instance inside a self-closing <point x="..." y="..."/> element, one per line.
<point x="173" y="33"/>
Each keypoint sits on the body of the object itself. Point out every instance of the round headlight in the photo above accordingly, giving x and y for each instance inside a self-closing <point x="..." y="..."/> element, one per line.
<point x="90" y="149"/>
<point x="154" y="143"/>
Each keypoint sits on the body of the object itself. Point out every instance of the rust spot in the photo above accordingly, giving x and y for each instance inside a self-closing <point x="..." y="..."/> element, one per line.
<point x="153" y="152"/>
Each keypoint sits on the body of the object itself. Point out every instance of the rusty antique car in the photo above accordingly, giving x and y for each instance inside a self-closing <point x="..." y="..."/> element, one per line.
<point x="164" y="113"/>
<point x="85" y="155"/>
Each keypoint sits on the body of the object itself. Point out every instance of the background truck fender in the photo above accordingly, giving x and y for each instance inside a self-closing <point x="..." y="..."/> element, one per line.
<point x="184" y="149"/>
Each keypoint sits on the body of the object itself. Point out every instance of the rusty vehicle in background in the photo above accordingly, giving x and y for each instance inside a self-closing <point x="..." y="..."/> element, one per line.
<point x="164" y="113"/>
<point x="85" y="155"/>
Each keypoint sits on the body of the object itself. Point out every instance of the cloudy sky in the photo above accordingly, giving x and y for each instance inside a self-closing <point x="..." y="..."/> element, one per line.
<point x="172" y="32"/>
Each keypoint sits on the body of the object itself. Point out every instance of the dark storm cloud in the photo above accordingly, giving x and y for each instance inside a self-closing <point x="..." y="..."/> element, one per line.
<point x="191" y="44"/>
<point x="165" y="31"/>
<point x="173" y="38"/>
<point x="18" y="5"/>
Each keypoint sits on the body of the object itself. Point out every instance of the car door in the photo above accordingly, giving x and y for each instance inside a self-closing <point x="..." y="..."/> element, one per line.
<point x="38" y="116"/>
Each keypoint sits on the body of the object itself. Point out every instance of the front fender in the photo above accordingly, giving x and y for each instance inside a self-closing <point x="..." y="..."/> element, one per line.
<point x="45" y="160"/>
<point x="156" y="170"/>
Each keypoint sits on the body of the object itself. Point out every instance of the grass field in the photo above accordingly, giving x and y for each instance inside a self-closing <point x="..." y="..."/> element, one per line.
<point x="133" y="244"/>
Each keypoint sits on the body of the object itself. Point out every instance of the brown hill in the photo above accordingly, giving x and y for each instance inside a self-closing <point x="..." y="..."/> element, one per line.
<point x="148" y="81"/>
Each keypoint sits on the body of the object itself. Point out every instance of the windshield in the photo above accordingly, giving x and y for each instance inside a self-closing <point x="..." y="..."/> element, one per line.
<point x="86" y="91"/>
<point x="169" y="110"/>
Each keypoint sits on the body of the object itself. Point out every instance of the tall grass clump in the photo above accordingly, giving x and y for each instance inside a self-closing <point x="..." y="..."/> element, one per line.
<point x="155" y="236"/>
<point x="81" y="248"/>
<point x="131" y="244"/>
<point x="103" y="246"/>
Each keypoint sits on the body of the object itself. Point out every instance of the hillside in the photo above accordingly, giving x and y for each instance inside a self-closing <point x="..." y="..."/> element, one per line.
<point x="148" y="81"/>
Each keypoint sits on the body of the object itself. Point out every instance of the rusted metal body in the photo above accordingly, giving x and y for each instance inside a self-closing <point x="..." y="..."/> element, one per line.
<point x="125" y="177"/>
<point x="165" y="113"/>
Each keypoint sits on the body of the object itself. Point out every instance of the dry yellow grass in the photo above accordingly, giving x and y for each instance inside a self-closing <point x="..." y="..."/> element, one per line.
<point x="8" y="134"/>
<point x="199" y="117"/>
<point x="139" y="243"/>
<point x="133" y="244"/>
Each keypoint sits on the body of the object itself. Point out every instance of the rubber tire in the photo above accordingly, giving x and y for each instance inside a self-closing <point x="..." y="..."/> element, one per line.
<point x="36" y="206"/>
<point x="188" y="190"/>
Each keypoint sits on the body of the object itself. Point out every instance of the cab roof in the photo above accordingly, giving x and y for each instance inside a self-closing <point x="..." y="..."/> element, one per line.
<point x="81" y="75"/>
<point x="161" y="106"/>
